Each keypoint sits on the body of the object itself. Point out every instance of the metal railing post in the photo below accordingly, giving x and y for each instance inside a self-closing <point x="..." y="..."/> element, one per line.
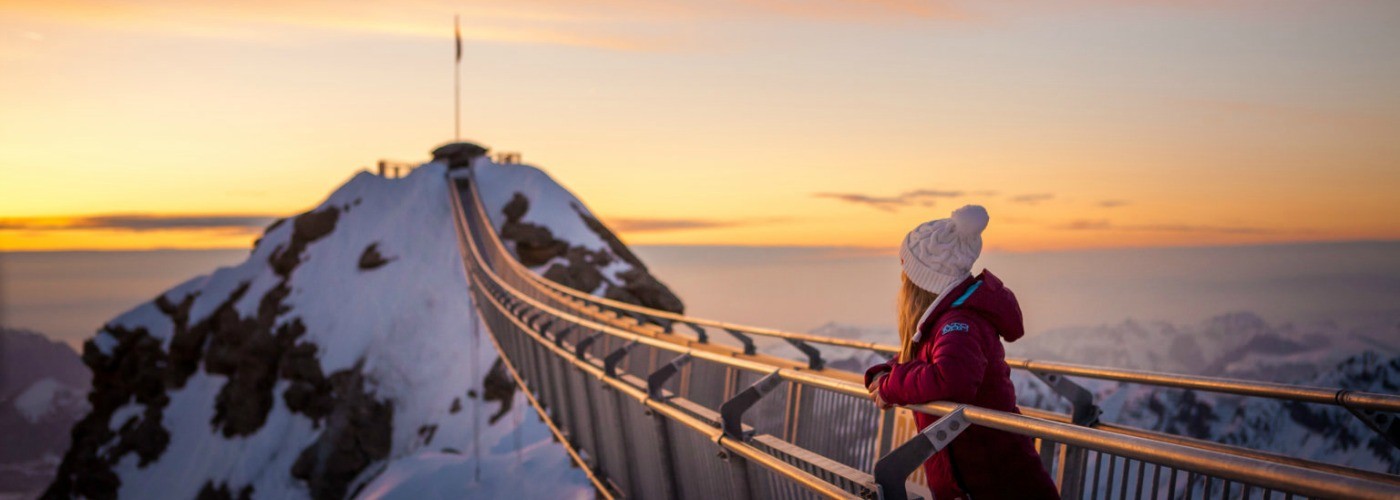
<point x="613" y="358"/>
<point x="1384" y="424"/>
<point x="655" y="382"/>
<point x="657" y="379"/>
<point x="1084" y="413"/>
<point x="814" y="356"/>
<point x="884" y="440"/>
<point x="749" y="348"/>
<point x="893" y="469"/>
<point x="732" y="410"/>
<point x="701" y="335"/>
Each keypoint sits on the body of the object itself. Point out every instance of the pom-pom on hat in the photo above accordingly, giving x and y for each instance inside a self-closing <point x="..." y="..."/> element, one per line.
<point x="939" y="254"/>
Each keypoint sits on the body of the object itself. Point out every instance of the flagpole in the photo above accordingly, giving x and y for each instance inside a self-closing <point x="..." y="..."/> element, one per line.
<point x="457" y="83"/>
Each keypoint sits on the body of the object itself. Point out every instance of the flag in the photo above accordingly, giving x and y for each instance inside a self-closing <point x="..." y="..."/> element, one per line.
<point x="458" y="28"/>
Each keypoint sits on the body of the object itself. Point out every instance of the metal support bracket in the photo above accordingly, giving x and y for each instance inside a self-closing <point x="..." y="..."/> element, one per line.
<point x="658" y="378"/>
<point x="582" y="347"/>
<point x="563" y="334"/>
<point x="613" y="358"/>
<point x="544" y="328"/>
<point x="749" y="348"/>
<point x="1085" y="413"/>
<point x="814" y="356"/>
<point x="893" y="469"/>
<point x="1385" y="424"/>
<point x="700" y="335"/>
<point x="731" y="412"/>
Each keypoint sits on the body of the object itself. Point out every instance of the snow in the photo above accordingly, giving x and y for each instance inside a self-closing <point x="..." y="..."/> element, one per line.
<point x="123" y="414"/>
<point x="408" y="326"/>
<point x="39" y="399"/>
<point x="507" y="469"/>
<point x="104" y="342"/>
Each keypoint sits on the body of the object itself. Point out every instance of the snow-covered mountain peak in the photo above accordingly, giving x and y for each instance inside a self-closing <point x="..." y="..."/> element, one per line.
<point x="346" y="343"/>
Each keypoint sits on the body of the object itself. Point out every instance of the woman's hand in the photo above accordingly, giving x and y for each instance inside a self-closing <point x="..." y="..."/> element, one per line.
<point x="875" y="381"/>
<point x="874" y="389"/>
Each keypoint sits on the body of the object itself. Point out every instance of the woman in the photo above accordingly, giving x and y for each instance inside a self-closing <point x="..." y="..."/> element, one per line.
<point x="950" y="329"/>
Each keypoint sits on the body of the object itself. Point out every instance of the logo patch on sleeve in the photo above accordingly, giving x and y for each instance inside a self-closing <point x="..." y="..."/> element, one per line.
<point x="954" y="327"/>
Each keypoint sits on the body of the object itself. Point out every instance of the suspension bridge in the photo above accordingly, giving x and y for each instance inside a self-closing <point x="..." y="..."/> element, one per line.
<point x="652" y="404"/>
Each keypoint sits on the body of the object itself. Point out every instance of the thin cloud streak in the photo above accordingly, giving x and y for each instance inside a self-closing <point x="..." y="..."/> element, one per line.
<point x="1032" y="199"/>
<point x="1114" y="203"/>
<point x="137" y="222"/>
<point x="656" y="225"/>
<point x="920" y="197"/>
<point x="1105" y="225"/>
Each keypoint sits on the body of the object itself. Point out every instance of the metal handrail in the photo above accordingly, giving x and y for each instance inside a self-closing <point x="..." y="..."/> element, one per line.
<point x="1300" y="393"/>
<point x="1248" y="470"/>
<point x="1289" y="392"/>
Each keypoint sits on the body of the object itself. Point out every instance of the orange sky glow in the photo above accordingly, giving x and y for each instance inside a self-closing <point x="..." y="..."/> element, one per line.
<point x="1085" y="124"/>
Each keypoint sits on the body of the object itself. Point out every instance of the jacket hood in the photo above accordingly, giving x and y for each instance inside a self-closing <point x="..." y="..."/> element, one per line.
<point x="987" y="296"/>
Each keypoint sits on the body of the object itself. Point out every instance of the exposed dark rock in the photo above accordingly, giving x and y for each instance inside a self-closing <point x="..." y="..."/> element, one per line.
<point x="582" y="271"/>
<point x="124" y="375"/>
<point x="456" y="406"/>
<point x="187" y="344"/>
<point x="310" y="392"/>
<point x="499" y="387"/>
<point x="250" y="352"/>
<point x="516" y="207"/>
<point x="535" y="246"/>
<point x="275" y="224"/>
<point x="641" y="288"/>
<point x="306" y="228"/>
<point x="250" y="357"/>
<point x="210" y="491"/>
<point x="358" y="432"/>
<point x="1191" y="417"/>
<point x="618" y="248"/>
<point x="371" y="259"/>
<point x="426" y="432"/>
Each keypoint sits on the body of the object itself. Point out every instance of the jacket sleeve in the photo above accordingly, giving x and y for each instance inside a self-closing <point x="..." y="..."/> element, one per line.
<point x="875" y="371"/>
<point x="953" y="371"/>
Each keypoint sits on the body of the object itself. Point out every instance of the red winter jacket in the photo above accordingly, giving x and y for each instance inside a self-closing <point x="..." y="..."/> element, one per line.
<point x="959" y="358"/>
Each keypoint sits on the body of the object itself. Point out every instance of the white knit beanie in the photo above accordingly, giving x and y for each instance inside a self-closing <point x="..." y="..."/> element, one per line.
<point x="939" y="254"/>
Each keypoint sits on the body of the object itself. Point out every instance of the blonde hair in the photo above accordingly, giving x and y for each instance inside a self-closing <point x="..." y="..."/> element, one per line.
<point x="911" y="304"/>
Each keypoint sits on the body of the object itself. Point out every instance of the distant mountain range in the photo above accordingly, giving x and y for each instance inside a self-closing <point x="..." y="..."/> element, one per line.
<point x="43" y="388"/>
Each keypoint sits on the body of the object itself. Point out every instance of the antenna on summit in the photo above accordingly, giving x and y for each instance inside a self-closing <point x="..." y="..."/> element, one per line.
<point x="457" y="83"/>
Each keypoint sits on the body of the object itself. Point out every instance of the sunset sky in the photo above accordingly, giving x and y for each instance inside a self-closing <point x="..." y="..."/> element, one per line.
<point x="1079" y="124"/>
